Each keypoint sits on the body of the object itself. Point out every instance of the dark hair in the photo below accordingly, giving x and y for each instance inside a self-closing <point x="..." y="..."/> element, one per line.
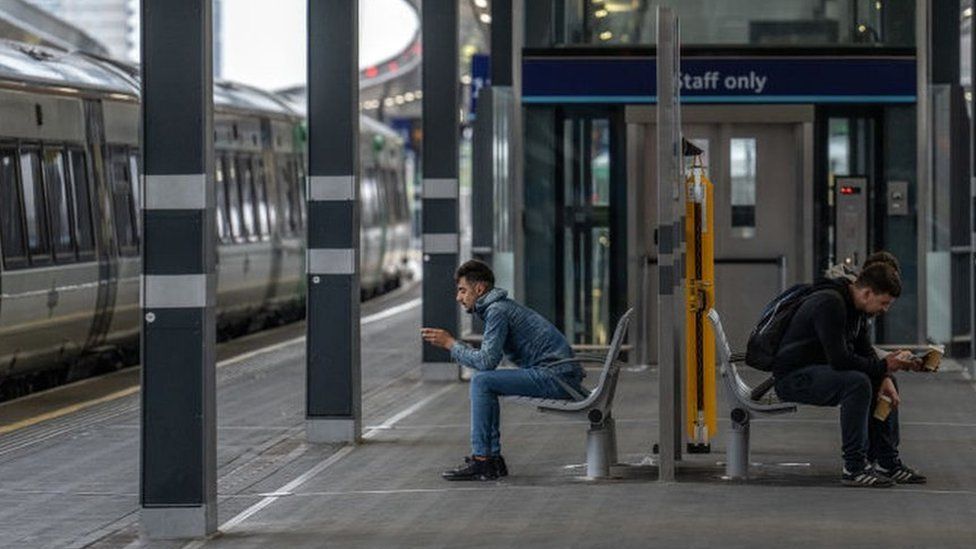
<point x="883" y="258"/>
<point x="475" y="271"/>
<point x="880" y="278"/>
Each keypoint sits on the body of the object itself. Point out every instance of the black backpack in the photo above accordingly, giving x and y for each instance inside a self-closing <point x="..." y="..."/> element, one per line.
<point x="775" y="319"/>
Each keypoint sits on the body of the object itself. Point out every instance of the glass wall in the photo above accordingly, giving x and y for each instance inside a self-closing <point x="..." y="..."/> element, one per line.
<point x="867" y="23"/>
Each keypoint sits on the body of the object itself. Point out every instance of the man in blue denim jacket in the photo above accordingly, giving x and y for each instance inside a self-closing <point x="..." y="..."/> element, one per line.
<point x="522" y="336"/>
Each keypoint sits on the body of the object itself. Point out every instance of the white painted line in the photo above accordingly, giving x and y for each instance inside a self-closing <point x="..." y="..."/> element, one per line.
<point x="289" y="488"/>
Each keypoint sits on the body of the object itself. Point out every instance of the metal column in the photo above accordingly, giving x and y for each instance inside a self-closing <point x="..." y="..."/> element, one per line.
<point x="333" y="382"/>
<point x="440" y="183"/>
<point x="669" y="230"/>
<point x="178" y="485"/>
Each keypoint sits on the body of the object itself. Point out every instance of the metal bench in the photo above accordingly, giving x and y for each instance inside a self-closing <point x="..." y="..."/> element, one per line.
<point x="745" y="404"/>
<point x="601" y="438"/>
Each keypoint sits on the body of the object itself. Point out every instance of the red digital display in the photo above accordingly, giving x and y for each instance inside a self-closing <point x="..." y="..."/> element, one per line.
<point x="849" y="189"/>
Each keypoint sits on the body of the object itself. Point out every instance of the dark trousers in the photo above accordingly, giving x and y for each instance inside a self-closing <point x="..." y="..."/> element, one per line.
<point x="863" y="437"/>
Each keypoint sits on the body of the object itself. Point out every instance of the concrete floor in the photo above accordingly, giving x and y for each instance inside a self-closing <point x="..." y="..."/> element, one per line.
<point x="73" y="481"/>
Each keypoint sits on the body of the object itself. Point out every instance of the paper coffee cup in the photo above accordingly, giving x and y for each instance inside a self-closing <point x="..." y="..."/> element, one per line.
<point x="882" y="408"/>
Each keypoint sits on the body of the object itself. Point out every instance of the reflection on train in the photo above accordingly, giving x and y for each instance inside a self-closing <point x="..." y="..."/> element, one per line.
<point x="70" y="201"/>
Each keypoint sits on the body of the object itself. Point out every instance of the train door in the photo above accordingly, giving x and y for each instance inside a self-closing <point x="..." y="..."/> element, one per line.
<point x="763" y="212"/>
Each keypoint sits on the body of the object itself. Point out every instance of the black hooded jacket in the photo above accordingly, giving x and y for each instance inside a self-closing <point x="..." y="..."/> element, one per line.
<point x="828" y="329"/>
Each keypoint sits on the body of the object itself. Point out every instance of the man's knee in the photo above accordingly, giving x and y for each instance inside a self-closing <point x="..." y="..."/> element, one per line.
<point x="857" y="384"/>
<point x="480" y="382"/>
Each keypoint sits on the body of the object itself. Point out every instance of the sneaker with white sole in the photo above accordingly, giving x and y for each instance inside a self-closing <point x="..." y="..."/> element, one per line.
<point x="902" y="474"/>
<point x="865" y="478"/>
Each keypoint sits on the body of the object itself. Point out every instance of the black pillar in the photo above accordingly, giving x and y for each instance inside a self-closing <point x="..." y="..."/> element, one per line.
<point x="501" y="43"/>
<point x="333" y="388"/>
<point x="178" y="455"/>
<point x="440" y="167"/>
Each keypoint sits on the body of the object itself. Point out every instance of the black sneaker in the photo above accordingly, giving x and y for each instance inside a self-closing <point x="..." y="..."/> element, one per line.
<point x="473" y="469"/>
<point x="498" y="462"/>
<point x="865" y="478"/>
<point x="902" y="474"/>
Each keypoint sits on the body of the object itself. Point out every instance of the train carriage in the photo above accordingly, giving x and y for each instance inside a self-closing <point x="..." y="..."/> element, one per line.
<point x="70" y="212"/>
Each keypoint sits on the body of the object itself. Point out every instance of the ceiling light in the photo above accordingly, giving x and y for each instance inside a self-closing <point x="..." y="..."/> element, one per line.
<point x="466" y="79"/>
<point x="606" y="35"/>
<point x="600" y="13"/>
<point x="398" y="99"/>
<point x="409" y="96"/>
<point x="485" y="18"/>
<point x="388" y="101"/>
<point x="481" y="3"/>
<point x="968" y="12"/>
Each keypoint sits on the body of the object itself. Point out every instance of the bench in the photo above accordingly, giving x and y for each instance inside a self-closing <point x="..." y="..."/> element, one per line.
<point x="595" y="408"/>
<point x="744" y="402"/>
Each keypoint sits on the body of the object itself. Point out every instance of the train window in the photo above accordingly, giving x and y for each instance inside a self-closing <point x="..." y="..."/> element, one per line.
<point x="81" y="200"/>
<point x="136" y="192"/>
<point x="220" y="197"/>
<point x="260" y="198"/>
<point x="34" y="210"/>
<point x="300" y="183"/>
<point x="58" y="204"/>
<point x="285" y="192"/>
<point x="233" y="199"/>
<point x="246" y="181"/>
<point x="123" y="203"/>
<point x="11" y="218"/>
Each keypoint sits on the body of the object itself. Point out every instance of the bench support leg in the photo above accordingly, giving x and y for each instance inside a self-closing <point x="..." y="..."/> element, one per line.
<point x="737" y="452"/>
<point x="611" y="428"/>
<point x="597" y="451"/>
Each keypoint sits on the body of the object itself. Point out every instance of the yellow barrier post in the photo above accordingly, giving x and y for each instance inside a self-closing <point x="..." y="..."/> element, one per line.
<point x="700" y="293"/>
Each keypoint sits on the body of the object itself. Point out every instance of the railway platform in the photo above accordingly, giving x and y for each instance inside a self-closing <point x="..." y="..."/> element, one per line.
<point x="72" y="480"/>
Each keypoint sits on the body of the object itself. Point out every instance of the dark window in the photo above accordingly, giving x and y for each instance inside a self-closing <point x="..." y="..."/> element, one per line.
<point x="11" y="218"/>
<point x="233" y="199"/>
<point x="220" y="184"/>
<point x="300" y="183"/>
<point x="82" y="202"/>
<point x="260" y="196"/>
<point x="285" y="192"/>
<point x="245" y="180"/>
<point x="34" y="211"/>
<point x="59" y="205"/>
<point x="123" y="202"/>
<point x="136" y="194"/>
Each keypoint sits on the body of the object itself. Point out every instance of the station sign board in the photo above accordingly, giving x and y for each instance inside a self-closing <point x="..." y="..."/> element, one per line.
<point x="808" y="79"/>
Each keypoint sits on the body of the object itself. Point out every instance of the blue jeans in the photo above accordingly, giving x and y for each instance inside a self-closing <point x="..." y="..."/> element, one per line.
<point x="487" y="386"/>
<point x="863" y="437"/>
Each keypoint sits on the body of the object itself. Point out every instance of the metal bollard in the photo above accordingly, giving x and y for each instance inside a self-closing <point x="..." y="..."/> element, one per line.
<point x="597" y="455"/>
<point x="737" y="452"/>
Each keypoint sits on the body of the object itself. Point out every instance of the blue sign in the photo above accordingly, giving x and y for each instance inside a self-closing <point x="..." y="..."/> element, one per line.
<point x="722" y="80"/>
<point x="480" y="77"/>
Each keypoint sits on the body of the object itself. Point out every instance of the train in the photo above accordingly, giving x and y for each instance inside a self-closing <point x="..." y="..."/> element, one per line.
<point x="70" y="214"/>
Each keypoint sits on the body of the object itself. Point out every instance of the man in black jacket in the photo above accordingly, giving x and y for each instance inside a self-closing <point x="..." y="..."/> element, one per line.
<point x="826" y="359"/>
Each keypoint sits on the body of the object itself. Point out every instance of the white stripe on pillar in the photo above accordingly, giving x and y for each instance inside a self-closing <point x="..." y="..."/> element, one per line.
<point x="440" y="188"/>
<point x="176" y="291"/>
<point x="331" y="187"/>
<point x="175" y="192"/>
<point x="441" y="243"/>
<point x="326" y="261"/>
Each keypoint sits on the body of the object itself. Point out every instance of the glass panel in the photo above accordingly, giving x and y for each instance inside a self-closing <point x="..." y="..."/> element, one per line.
<point x="742" y="172"/>
<point x="286" y="190"/>
<point x="233" y="199"/>
<point x="82" y="201"/>
<point x="600" y="291"/>
<point x="122" y="202"/>
<point x="599" y="163"/>
<point x="136" y="194"/>
<point x="11" y="219"/>
<point x="58" y="203"/>
<point x="300" y="182"/>
<point x="260" y="196"/>
<point x="220" y="197"/>
<point x="30" y="179"/>
<point x="246" y="183"/>
<point x="866" y="23"/>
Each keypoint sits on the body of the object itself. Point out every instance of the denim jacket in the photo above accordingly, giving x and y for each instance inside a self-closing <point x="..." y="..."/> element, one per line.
<point x="522" y="335"/>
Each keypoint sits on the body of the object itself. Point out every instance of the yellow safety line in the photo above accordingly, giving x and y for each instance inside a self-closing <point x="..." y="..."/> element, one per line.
<point x="66" y="410"/>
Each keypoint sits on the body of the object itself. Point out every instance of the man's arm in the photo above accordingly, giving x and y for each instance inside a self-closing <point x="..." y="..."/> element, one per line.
<point x="489" y="356"/>
<point x="830" y="323"/>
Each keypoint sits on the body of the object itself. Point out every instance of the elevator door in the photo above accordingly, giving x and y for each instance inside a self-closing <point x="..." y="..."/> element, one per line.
<point x="760" y="224"/>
